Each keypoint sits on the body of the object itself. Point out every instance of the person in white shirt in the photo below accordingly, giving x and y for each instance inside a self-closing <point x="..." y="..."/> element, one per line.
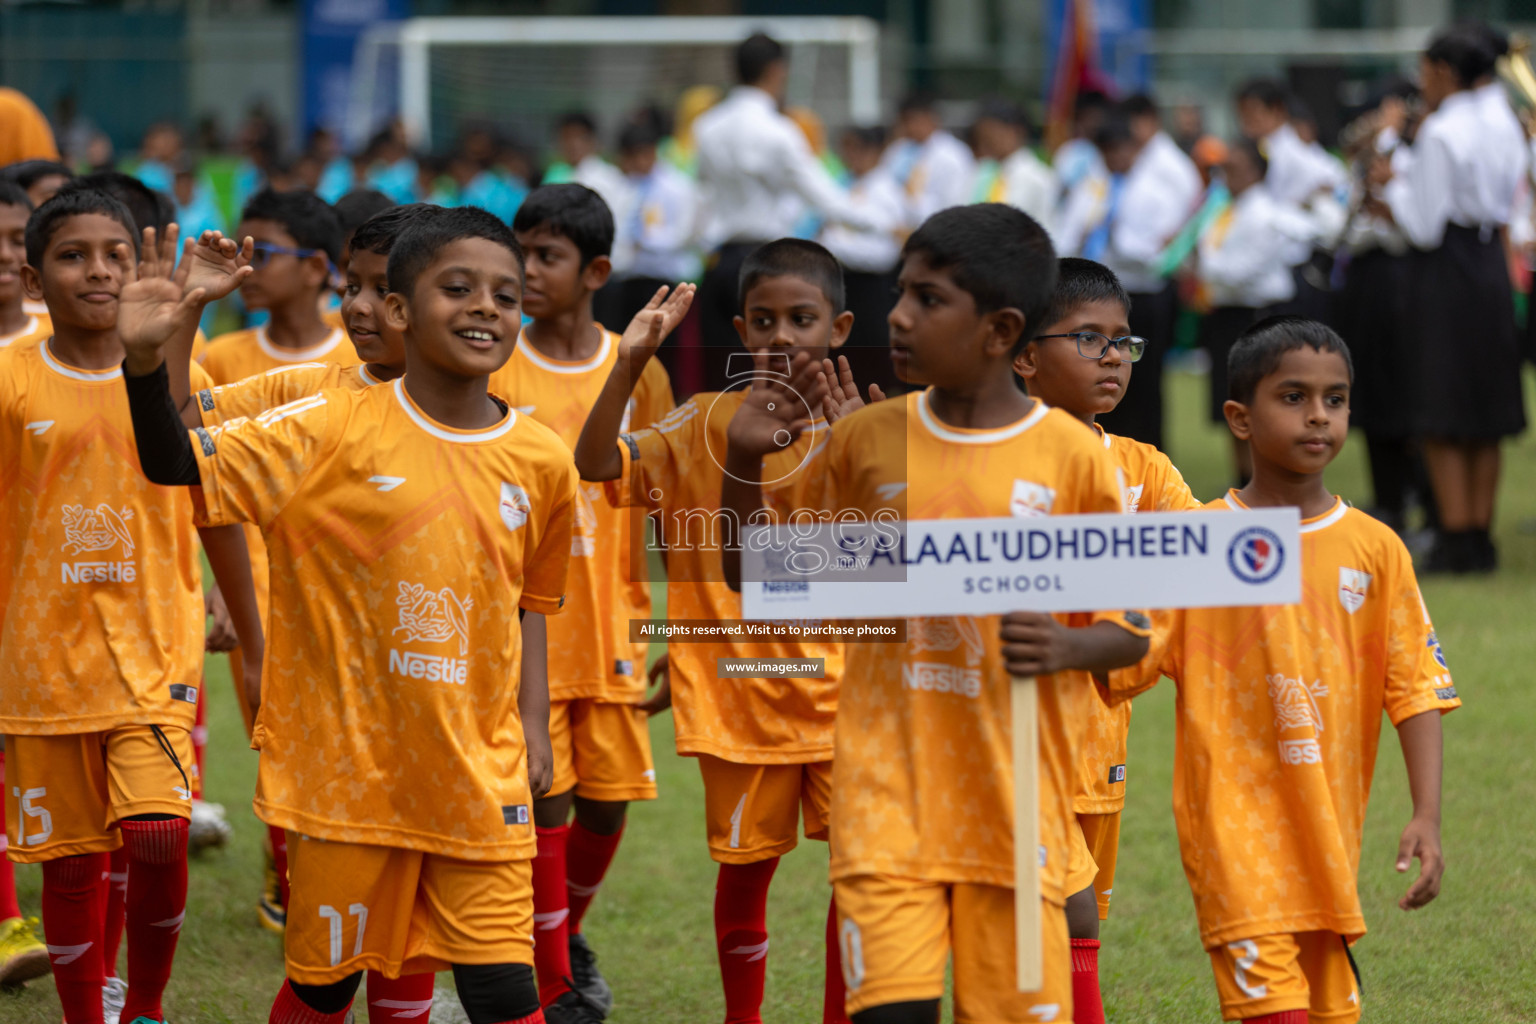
<point x="1008" y="170"/>
<point x="751" y="158"/>
<point x="1451" y="195"/>
<point x="1124" y="219"/>
<point x="577" y="145"/>
<point x="1242" y="268"/>
<point x="653" y="233"/>
<point x="1077" y="159"/>
<point x="935" y="168"/>
<point x="869" y="256"/>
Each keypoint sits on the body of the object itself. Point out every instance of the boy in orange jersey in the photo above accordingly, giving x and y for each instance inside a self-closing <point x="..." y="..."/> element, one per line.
<point x="101" y="643"/>
<point x="17" y="326"/>
<point x="298" y="241"/>
<point x="600" y="737"/>
<point x="1280" y="707"/>
<point x="922" y="801"/>
<point x="1080" y="363"/>
<point x="764" y="745"/>
<point x="393" y="734"/>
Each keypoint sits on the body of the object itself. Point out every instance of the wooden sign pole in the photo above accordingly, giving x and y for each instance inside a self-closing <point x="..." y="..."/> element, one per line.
<point x="1026" y="834"/>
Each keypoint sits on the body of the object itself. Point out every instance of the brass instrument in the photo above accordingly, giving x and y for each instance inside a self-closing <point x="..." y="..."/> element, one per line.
<point x="1515" y="71"/>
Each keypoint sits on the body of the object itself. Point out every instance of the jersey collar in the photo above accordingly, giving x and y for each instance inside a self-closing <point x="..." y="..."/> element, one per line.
<point x="298" y="355"/>
<point x="543" y="362"/>
<point x="443" y="433"/>
<point x="73" y="373"/>
<point x="1312" y="525"/>
<point x="945" y="433"/>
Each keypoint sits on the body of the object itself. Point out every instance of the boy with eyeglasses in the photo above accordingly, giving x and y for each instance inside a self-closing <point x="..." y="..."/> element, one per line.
<point x="298" y="240"/>
<point x="1080" y="363"/>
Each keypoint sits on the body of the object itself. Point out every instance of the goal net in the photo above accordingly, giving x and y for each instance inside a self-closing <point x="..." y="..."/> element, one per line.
<point x="442" y="75"/>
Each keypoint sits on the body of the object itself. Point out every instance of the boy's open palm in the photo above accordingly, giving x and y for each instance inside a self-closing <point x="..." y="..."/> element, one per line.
<point x="773" y="414"/>
<point x="156" y="304"/>
<point x="842" y="393"/>
<point x="655" y="322"/>
<point x="1421" y="841"/>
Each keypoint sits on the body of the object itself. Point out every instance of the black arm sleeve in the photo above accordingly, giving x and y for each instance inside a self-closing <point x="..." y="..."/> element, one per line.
<point x="165" y="448"/>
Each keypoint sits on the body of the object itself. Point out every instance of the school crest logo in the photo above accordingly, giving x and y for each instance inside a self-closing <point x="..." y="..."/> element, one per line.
<point x="1255" y="555"/>
<point x="1352" y="587"/>
<point x="1133" y="498"/>
<point x="433" y="616"/>
<point x="96" y="529"/>
<point x="514" y="507"/>
<point x="1031" y="499"/>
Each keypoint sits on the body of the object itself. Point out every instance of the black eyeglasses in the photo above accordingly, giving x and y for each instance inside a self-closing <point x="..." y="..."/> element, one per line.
<point x="1093" y="345"/>
<point x="262" y="253"/>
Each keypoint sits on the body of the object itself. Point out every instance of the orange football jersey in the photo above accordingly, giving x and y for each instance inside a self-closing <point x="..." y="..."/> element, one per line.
<point x="199" y="346"/>
<point x="590" y="653"/>
<point x="241" y="354"/>
<point x="924" y="780"/>
<point x="1279" y="716"/>
<point x="675" y="466"/>
<point x="38" y="327"/>
<point x="399" y="553"/>
<point x="100" y="571"/>
<point x="1151" y="484"/>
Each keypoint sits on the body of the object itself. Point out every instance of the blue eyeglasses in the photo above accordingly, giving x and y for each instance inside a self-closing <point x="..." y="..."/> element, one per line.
<point x="264" y="251"/>
<point x="1093" y="345"/>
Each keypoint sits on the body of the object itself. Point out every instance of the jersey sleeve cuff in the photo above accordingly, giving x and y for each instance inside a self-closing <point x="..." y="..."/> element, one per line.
<point x="1137" y="623"/>
<point x="1419" y="705"/>
<point x="541" y="605"/>
<point x="621" y="492"/>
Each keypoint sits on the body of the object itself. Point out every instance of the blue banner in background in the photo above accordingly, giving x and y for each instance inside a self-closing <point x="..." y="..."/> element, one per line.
<point x="1119" y="27"/>
<point x="331" y="29"/>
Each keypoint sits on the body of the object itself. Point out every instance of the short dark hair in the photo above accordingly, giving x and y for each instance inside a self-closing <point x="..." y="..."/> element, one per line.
<point x="921" y="101"/>
<point x="14" y="194"/>
<point x="638" y="136"/>
<point x="1257" y="352"/>
<point x="378" y="233"/>
<point x="29" y="172"/>
<point x="756" y="54"/>
<point x="577" y="119"/>
<point x="141" y="201"/>
<point x="997" y="253"/>
<point x="1267" y="92"/>
<point x="357" y="206"/>
<point x="793" y="257"/>
<point x="1139" y="105"/>
<point x="871" y="135"/>
<point x="308" y="218"/>
<point x="74" y="200"/>
<point x="1079" y="282"/>
<point x="433" y="229"/>
<point x="997" y="108"/>
<point x="1469" y="52"/>
<point x="573" y="211"/>
<point x="1115" y="130"/>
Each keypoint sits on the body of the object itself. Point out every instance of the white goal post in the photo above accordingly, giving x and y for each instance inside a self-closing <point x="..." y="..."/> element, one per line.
<point x="414" y="43"/>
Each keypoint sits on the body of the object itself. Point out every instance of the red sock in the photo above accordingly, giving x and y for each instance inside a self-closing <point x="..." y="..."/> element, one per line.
<point x="199" y="741"/>
<point x="288" y="1008"/>
<point x="551" y="915"/>
<point x="1283" y="1017"/>
<point x="72" y="912"/>
<point x="741" y="937"/>
<point x="834" y="999"/>
<point x="536" y="1017"/>
<point x="279" y="840"/>
<point x="1087" y="1000"/>
<point x="9" y="908"/>
<point x="404" y="998"/>
<point x="117" y="909"/>
<point x="157" y="905"/>
<point x="586" y="862"/>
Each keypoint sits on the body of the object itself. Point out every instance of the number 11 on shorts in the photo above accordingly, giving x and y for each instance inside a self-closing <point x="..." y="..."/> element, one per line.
<point x="332" y="915"/>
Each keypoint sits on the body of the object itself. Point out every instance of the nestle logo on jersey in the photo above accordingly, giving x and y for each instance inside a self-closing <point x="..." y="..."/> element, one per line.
<point x="98" y="572"/>
<point x="434" y="668"/>
<point x="1300" y="752"/>
<point x="938" y="678"/>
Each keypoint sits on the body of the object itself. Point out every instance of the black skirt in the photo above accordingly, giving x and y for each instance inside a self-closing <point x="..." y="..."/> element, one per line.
<point x="1369" y="312"/>
<point x="1463" y="325"/>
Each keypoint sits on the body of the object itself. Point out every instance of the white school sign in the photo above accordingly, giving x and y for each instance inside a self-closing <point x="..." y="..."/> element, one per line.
<point x="900" y="569"/>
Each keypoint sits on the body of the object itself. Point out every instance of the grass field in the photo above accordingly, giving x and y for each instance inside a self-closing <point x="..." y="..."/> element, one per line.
<point x="1468" y="958"/>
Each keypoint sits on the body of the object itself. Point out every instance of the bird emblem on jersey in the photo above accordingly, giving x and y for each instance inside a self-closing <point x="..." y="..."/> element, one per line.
<point x="96" y="529"/>
<point x="1352" y="587"/>
<point x="433" y="616"/>
<point x="1296" y="703"/>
